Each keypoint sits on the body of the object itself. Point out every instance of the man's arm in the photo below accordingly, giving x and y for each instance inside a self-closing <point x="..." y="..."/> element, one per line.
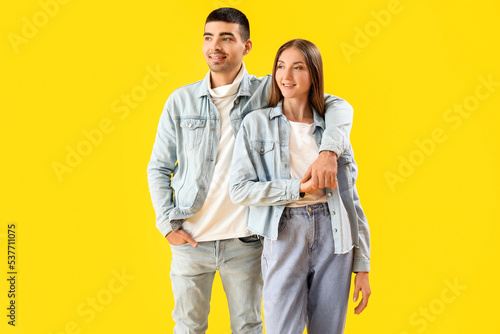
<point x="338" y="119"/>
<point x="160" y="169"/>
<point x="335" y="141"/>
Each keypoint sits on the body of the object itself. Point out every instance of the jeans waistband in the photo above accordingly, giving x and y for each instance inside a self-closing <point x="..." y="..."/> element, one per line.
<point x="306" y="210"/>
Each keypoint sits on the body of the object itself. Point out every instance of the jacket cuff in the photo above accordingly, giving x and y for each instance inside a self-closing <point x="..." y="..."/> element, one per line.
<point x="330" y="145"/>
<point x="176" y="224"/>
<point x="165" y="228"/>
<point x="360" y="264"/>
<point x="293" y="190"/>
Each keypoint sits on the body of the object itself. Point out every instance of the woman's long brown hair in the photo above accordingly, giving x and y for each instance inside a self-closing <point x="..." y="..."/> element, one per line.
<point x="314" y="64"/>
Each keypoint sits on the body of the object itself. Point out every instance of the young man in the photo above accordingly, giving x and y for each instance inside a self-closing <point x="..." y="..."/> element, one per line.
<point x="206" y="231"/>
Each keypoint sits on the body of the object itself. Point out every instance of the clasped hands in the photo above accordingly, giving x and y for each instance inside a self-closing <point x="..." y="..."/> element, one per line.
<point x="322" y="173"/>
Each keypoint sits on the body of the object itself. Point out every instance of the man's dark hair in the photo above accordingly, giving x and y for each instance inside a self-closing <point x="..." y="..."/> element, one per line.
<point x="231" y="15"/>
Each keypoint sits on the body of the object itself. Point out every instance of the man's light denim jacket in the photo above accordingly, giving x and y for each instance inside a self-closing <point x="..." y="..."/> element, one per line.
<point x="187" y="140"/>
<point x="260" y="178"/>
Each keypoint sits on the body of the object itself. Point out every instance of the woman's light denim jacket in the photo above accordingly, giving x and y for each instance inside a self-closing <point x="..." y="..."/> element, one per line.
<point x="260" y="178"/>
<point x="187" y="142"/>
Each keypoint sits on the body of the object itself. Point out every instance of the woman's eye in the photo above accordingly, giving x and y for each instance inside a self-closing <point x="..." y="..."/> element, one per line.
<point x="297" y="68"/>
<point x="281" y="67"/>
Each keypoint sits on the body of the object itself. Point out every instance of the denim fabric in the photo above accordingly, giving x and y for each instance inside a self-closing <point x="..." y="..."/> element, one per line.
<point x="188" y="133"/>
<point x="260" y="178"/>
<point x="192" y="274"/>
<point x="304" y="281"/>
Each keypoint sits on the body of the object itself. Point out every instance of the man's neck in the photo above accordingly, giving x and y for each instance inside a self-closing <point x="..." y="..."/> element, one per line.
<point x="218" y="79"/>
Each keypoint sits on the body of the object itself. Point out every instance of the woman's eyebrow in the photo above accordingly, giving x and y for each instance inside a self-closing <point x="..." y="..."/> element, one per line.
<point x="297" y="62"/>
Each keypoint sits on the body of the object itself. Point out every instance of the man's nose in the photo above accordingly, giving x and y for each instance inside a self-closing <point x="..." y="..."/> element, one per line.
<point x="215" y="45"/>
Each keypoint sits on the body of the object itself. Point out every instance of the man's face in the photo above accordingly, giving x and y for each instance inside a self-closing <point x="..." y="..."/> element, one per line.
<point x="223" y="47"/>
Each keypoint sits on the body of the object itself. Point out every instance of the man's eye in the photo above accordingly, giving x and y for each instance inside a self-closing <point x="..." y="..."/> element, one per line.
<point x="207" y="38"/>
<point x="226" y="39"/>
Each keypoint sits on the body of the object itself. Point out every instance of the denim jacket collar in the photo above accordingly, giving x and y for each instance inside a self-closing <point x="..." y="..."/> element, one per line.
<point x="244" y="89"/>
<point x="319" y="122"/>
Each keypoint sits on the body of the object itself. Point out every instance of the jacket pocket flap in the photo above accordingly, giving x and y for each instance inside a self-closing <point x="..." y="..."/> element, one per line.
<point x="262" y="147"/>
<point x="193" y="123"/>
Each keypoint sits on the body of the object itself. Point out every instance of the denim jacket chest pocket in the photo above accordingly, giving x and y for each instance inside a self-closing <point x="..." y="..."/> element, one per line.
<point x="192" y="131"/>
<point x="263" y="152"/>
<point x="344" y="175"/>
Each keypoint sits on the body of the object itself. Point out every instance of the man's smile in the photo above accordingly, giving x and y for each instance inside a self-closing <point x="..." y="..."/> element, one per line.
<point x="217" y="57"/>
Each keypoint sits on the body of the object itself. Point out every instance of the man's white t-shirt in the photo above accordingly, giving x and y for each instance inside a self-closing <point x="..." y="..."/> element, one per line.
<point x="219" y="218"/>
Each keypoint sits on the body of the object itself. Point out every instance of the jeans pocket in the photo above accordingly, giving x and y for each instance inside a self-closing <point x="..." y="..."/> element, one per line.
<point x="282" y="224"/>
<point x="176" y="247"/>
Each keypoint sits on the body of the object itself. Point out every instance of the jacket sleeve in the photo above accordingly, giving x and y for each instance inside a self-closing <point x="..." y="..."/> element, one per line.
<point x="338" y="119"/>
<point x="246" y="188"/>
<point x="362" y="251"/>
<point x="160" y="170"/>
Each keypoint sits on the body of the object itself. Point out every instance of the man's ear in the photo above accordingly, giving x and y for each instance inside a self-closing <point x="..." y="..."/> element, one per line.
<point x="248" y="47"/>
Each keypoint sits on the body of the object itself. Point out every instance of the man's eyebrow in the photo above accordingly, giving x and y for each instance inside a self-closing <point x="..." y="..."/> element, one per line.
<point x="221" y="34"/>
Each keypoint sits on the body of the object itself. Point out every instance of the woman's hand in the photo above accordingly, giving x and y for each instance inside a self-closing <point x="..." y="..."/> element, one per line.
<point x="308" y="186"/>
<point x="361" y="283"/>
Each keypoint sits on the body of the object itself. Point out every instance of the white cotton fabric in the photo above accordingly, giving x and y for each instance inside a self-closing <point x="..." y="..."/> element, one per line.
<point x="219" y="218"/>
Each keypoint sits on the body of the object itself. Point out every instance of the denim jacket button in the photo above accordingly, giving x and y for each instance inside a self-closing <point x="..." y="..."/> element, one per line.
<point x="329" y="194"/>
<point x="333" y="212"/>
<point x="334" y="230"/>
<point x="261" y="150"/>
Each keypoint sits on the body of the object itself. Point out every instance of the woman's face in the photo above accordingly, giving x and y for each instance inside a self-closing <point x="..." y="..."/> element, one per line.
<point x="292" y="74"/>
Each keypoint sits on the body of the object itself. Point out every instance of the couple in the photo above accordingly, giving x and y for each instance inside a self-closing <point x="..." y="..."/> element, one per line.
<point x="315" y="232"/>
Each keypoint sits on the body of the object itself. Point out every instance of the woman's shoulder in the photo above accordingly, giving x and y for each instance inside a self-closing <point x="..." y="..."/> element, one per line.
<point x="261" y="125"/>
<point x="257" y="117"/>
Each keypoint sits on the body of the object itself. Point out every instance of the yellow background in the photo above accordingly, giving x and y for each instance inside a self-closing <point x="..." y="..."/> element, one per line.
<point x="436" y="225"/>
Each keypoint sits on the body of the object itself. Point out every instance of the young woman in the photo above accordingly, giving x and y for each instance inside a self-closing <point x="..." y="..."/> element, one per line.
<point x="313" y="238"/>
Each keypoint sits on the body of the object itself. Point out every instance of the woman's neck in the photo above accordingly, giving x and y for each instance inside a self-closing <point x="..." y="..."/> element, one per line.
<point x="297" y="110"/>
